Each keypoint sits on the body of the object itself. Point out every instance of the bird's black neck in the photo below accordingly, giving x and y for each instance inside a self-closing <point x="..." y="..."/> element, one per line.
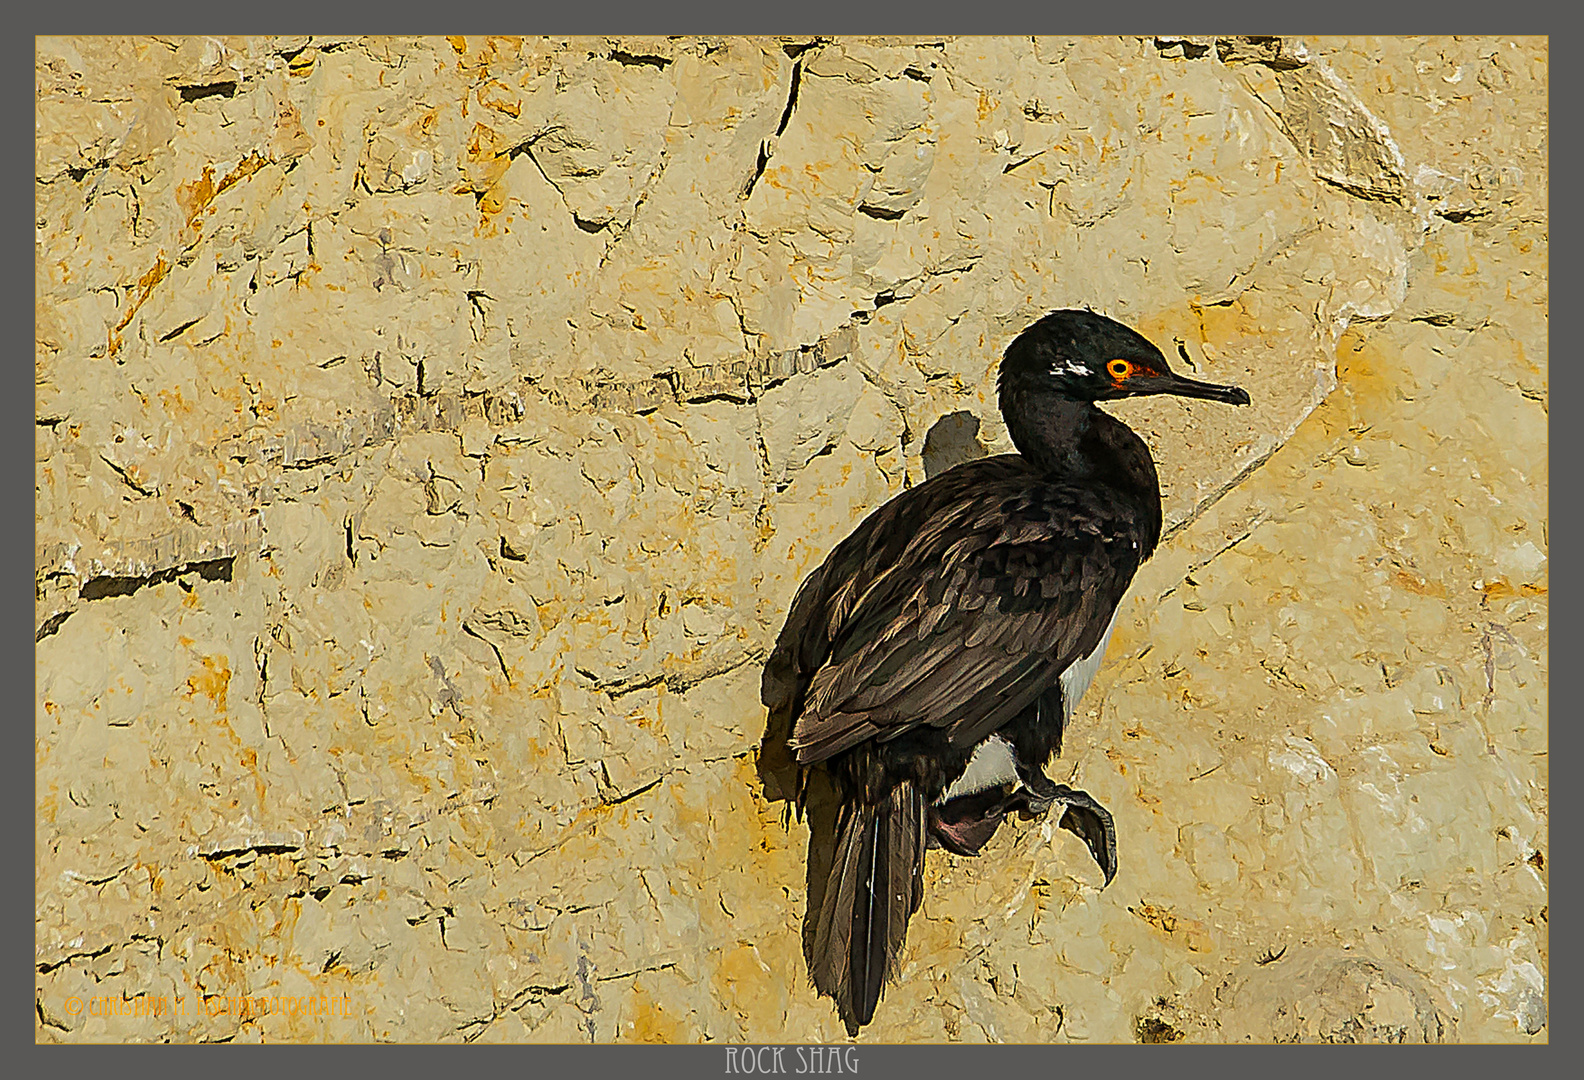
<point x="1077" y="442"/>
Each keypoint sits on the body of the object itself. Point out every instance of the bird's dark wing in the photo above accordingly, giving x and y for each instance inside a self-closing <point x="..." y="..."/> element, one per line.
<point x="996" y="592"/>
<point x="826" y="601"/>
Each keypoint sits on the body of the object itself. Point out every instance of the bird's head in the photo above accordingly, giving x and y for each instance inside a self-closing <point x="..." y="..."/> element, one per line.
<point x="1087" y="357"/>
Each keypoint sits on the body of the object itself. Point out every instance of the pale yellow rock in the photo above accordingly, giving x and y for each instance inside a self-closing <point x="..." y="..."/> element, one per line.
<point x="433" y="433"/>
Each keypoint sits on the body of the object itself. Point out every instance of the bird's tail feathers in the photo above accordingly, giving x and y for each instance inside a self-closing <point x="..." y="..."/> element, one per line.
<point x="876" y="882"/>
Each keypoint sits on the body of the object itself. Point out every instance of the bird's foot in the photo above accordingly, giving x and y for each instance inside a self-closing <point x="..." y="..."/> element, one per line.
<point x="1080" y="814"/>
<point x="1092" y="824"/>
<point x="965" y="824"/>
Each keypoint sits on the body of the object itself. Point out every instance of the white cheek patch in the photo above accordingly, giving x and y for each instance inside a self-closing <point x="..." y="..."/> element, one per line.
<point x="1068" y="367"/>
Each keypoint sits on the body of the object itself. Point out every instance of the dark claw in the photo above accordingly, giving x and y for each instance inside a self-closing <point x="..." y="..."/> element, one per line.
<point x="1092" y="824"/>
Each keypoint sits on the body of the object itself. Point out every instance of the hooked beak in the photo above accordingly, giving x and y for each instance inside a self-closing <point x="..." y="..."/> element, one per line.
<point x="1183" y="387"/>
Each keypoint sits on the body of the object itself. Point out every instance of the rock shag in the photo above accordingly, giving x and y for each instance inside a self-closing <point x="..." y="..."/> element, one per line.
<point x="931" y="663"/>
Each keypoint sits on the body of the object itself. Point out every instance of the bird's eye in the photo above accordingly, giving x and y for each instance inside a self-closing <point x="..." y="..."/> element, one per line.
<point x="1119" y="369"/>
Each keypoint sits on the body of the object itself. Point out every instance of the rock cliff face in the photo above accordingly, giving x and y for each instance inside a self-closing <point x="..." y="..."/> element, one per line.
<point x="431" y="435"/>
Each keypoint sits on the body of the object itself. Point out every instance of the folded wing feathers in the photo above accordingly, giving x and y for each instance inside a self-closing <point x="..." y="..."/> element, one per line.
<point x="965" y="622"/>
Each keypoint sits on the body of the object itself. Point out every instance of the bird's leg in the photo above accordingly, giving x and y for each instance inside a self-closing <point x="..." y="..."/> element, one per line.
<point x="1042" y="790"/>
<point x="1036" y="738"/>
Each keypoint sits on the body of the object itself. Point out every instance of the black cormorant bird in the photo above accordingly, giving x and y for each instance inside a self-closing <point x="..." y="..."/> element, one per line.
<point x="930" y="663"/>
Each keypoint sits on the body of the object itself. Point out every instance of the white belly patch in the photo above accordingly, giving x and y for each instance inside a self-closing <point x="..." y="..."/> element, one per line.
<point x="991" y="766"/>
<point x="992" y="763"/>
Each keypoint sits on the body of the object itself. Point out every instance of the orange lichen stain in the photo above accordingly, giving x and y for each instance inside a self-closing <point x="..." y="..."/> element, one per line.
<point x="459" y="43"/>
<point x="648" y="1022"/>
<point x="244" y="169"/>
<point x="1501" y="589"/>
<point x="174" y="403"/>
<point x="987" y="105"/>
<point x="193" y="197"/>
<point x="551" y="612"/>
<point x="156" y="880"/>
<point x="498" y="96"/>
<point x="483" y="168"/>
<point x="641" y="719"/>
<point x="1231" y="324"/>
<point x="743" y="979"/>
<point x="1419" y="585"/>
<point x="1363" y="367"/>
<point x="1190" y="932"/>
<point x="213" y="681"/>
<point x="49" y="804"/>
<point x="502" y="51"/>
<point x="146" y="284"/>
